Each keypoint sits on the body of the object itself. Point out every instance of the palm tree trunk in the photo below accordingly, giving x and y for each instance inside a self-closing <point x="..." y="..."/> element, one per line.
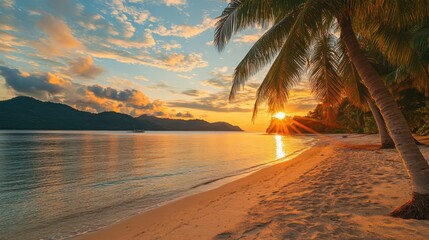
<point x="414" y="162"/>
<point x="385" y="139"/>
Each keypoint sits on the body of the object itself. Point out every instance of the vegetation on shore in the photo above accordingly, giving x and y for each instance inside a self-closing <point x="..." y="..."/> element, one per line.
<point x="348" y="118"/>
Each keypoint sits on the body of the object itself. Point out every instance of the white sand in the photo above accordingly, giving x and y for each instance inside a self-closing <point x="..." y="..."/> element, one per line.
<point x="338" y="189"/>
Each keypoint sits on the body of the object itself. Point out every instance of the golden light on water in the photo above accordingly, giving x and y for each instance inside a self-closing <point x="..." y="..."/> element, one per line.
<point x="280" y="115"/>
<point x="280" y="153"/>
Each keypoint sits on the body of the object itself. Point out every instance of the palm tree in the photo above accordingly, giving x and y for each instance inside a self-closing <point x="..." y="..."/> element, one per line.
<point x="358" y="95"/>
<point x="331" y="70"/>
<point x="415" y="39"/>
<point x="332" y="74"/>
<point x="294" y="23"/>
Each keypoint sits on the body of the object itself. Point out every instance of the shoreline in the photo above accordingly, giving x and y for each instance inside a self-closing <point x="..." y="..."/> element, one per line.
<point x="193" y="196"/>
<point x="212" y="184"/>
<point x="312" y="196"/>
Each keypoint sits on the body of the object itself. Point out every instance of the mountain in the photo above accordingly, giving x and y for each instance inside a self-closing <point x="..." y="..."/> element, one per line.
<point x="189" y="125"/>
<point x="27" y="113"/>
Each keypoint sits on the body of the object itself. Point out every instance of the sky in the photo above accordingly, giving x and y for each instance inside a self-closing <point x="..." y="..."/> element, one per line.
<point x="132" y="56"/>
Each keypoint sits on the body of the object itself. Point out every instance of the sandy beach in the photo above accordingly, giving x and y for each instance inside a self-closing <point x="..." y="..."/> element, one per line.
<point x="342" y="188"/>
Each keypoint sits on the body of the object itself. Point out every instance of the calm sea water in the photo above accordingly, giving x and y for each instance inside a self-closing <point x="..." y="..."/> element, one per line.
<point x="58" y="184"/>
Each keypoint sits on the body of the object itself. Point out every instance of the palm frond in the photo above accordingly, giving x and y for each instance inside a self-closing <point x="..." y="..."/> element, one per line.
<point x="398" y="14"/>
<point x="262" y="52"/>
<point x="397" y="48"/>
<point x="355" y="91"/>
<point x="290" y="63"/>
<point x="326" y="84"/>
<point x="419" y="38"/>
<point x="227" y="24"/>
<point x="397" y="76"/>
<point x="242" y="14"/>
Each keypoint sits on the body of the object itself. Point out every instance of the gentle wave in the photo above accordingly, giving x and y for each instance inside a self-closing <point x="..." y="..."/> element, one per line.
<point x="57" y="185"/>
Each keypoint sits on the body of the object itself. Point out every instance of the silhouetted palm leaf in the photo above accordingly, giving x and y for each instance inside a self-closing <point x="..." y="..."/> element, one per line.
<point x="241" y="14"/>
<point x="262" y="52"/>
<point x="286" y="70"/>
<point x="325" y="82"/>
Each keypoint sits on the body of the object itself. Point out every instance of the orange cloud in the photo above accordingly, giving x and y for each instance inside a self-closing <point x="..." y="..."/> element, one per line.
<point x="148" y="41"/>
<point x="59" y="36"/>
<point x="84" y="67"/>
<point x="128" y="101"/>
<point x="172" y="62"/>
<point x="186" y="31"/>
<point x="172" y="45"/>
<point x="183" y="63"/>
<point x="52" y="79"/>
<point x="250" y="38"/>
<point x="174" y="2"/>
<point x="5" y="27"/>
<point x="8" y="3"/>
<point x="95" y="98"/>
<point x="9" y="42"/>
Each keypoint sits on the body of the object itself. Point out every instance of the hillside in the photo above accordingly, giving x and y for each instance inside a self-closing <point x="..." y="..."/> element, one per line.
<point x="189" y="125"/>
<point x="26" y="113"/>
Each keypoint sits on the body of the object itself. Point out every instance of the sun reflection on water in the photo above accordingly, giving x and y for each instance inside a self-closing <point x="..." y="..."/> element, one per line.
<point x="280" y="153"/>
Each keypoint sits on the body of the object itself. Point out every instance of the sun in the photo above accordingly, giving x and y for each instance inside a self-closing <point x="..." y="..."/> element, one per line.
<point x="280" y="115"/>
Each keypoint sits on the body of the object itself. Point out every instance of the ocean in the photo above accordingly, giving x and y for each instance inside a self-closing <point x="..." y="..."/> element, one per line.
<point x="59" y="184"/>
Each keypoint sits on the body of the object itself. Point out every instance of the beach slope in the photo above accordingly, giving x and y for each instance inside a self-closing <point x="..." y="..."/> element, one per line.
<point x="338" y="189"/>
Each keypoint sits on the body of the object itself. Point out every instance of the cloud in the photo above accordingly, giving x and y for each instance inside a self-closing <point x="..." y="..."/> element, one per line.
<point x="184" y="115"/>
<point x="129" y="101"/>
<point x="219" y="101"/>
<point x="58" y="31"/>
<point x="193" y="92"/>
<point x="41" y="85"/>
<point x="97" y="17"/>
<point x="161" y="85"/>
<point x="186" y="31"/>
<point x="95" y="98"/>
<point x="175" y="62"/>
<point x="206" y="105"/>
<point x="112" y="30"/>
<point x="10" y="42"/>
<point x="249" y="38"/>
<point x="88" y="25"/>
<point x="8" y="3"/>
<point x="120" y="11"/>
<point x="142" y="78"/>
<point x="5" y="27"/>
<point x="174" y="2"/>
<point x="220" y="79"/>
<point x="217" y="82"/>
<point x="186" y="76"/>
<point x="130" y="96"/>
<point x="220" y="69"/>
<point x="59" y="36"/>
<point x="142" y="17"/>
<point x="180" y="62"/>
<point x="84" y="67"/>
<point x="148" y="41"/>
<point x="128" y="29"/>
<point x="172" y="45"/>
<point x="127" y="15"/>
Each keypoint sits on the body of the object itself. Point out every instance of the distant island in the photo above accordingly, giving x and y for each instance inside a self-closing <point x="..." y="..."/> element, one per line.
<point x="26" y="113"/>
